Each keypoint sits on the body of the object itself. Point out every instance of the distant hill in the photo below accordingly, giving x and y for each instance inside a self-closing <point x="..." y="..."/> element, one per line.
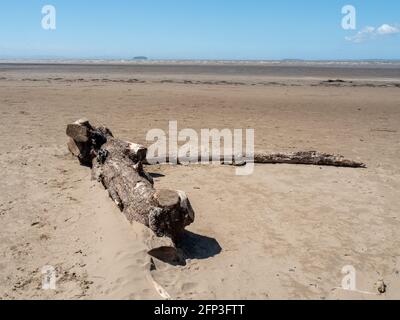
<point x="140" y="58"/>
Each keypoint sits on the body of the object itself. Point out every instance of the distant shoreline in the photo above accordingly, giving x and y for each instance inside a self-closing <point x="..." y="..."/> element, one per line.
<point x="202" y="71"/>
<point x="284" y="62"/>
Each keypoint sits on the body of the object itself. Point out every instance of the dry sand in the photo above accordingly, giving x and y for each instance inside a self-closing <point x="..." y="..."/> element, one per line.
<point x="284" y="232"/>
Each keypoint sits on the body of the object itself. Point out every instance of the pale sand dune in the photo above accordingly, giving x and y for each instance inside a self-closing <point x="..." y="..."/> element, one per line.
<point x="284" y="232"/>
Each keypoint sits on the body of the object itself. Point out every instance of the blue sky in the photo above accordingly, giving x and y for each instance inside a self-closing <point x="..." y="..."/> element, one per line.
<point x="200" y="29"/>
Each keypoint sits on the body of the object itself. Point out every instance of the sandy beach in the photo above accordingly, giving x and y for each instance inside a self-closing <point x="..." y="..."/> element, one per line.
<point x="285" y="232"/>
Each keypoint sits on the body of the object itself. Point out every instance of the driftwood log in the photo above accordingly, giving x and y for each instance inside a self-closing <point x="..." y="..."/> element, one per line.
<point x="307" y="158"/>
<point x="303" y="158"/>
<point x="118" y="166"/>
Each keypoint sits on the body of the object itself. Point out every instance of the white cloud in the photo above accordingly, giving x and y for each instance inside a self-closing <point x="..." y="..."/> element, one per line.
<point x="370" y="33"/>
<point x="387" y="29"/>
<point x="363" y="35"/>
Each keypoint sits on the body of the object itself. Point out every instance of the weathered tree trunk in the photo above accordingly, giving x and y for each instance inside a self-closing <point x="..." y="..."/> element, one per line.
<point x="118" y="166"/>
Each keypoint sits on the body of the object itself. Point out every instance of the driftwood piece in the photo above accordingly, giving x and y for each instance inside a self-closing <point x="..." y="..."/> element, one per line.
<point x="302" y="158"/>
<point x="307" y="158"/>
<point x="118" y="166"/>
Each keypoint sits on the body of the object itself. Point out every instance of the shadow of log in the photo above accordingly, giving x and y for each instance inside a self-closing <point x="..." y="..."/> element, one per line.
<point x="195" y="246"/>
<point x="156" y="175"/>
<point x="169" y="255"/>
<point x="191" y="246"/>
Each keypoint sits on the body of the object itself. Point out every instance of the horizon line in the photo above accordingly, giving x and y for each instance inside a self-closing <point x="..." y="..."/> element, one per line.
<point x="146" y="59"/>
